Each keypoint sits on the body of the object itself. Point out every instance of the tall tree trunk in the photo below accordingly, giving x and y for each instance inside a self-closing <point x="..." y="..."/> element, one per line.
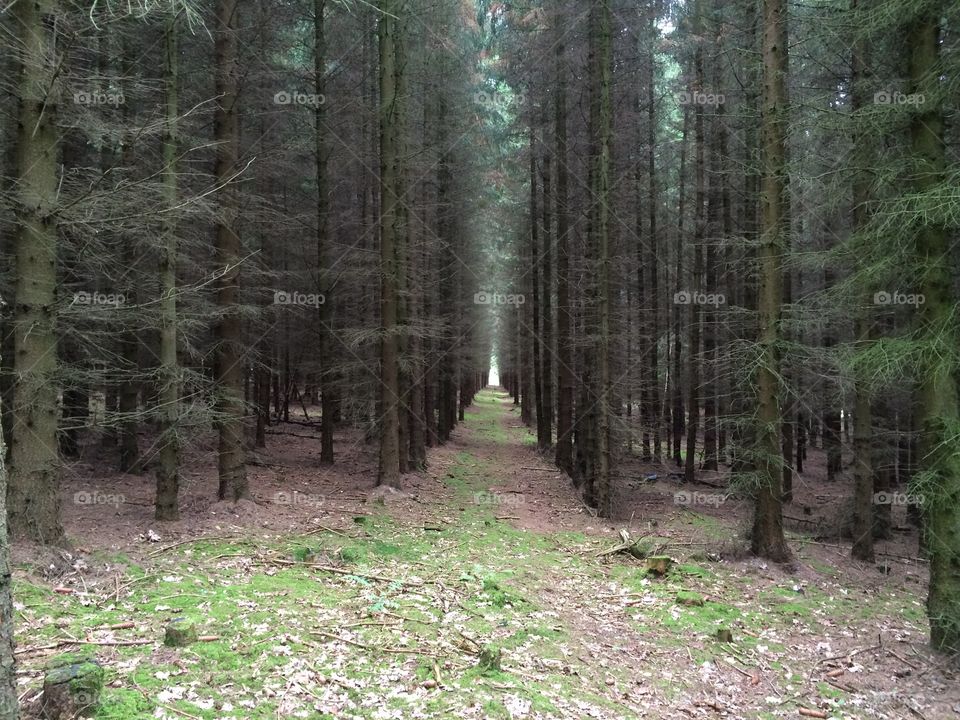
<point x="653" y="254"/>
<point x="694" y="288"/>
<point x="676" y="380"/>
<point x="325" y="330"/>
<point x="938" y="416"/>
<point x="230" y="350"/>
<point x="565" y="375"/>
<point x="767" y="538"/>
<point x="536" y="339"/>
<point x="546" y="305"/>
<point x="34" y="502"/>
<point x="8" y="667"/>
<point x="129" y="391"/>
<point x="710" y="312"/>
<point x="862" y="412"/>
<point x="598" y="482"/>
<point x="168" y="453"/>
<point x="391" y="113"/>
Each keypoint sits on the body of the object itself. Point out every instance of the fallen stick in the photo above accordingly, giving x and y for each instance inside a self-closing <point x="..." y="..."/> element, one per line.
<point x="364" y="646"/>
<point x="812" y="713"/>
<point x="850" y="655"/>
<point x="324" y="528"/>
<point x="339" y="571"/>
<point x="62" y="643"/>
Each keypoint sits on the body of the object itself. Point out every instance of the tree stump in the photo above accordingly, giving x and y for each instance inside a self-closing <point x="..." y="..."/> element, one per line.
<point x="724" y="635"/>
<point x="690" y="599"/>
<point x="71" y="687"/>
<point x="179" y="633"/>
<point x="490" y="658"/>
<point x="659" y="565"/>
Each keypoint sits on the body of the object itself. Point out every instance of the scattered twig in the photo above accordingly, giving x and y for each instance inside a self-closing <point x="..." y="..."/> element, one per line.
<point x="847" y="656"/>
<point x="902" y="659"/>
<point x="364" y="646"/>
<point x="324" y="528"/>
<point x="63" y="643"/>
<point x="340" y="571"/>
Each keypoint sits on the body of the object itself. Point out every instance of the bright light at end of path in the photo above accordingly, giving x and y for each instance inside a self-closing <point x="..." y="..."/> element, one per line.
<point x="494" y="377"/>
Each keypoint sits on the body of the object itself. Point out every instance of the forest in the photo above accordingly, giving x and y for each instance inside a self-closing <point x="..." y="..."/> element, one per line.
<point x="541" y="359"/>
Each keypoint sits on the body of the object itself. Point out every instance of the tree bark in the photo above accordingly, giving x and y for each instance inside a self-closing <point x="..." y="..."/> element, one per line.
<point x="767" y="538"/>
<point x="938" y="397"/>
<point x="34" y="502"/>
<point x="168" y="452"/>
<point x="8" y="667"/>
<point x="230" y="351"/>
<point x="324" y="356"/>
<point x="391" y="112"/>
<point x="565" y="375"/>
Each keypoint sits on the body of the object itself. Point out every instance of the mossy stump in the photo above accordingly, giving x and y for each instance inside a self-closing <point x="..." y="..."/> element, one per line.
<point x="180" y="633"/>
<point x="71" y="687"/>
<point x="690" y="599"/>
<point x="724" y="635"/>
<point x="659" y="565"/>
<point x="490" y="659"/>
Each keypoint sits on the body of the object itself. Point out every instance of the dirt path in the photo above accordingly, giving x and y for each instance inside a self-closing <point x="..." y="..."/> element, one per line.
<point x="653" y="643"/>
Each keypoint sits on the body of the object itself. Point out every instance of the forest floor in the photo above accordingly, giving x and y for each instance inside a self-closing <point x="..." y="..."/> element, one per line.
<point x="326" y="598"/>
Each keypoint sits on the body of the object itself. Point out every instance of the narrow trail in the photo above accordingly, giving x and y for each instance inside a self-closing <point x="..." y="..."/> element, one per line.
<point x="648" y="647"/>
